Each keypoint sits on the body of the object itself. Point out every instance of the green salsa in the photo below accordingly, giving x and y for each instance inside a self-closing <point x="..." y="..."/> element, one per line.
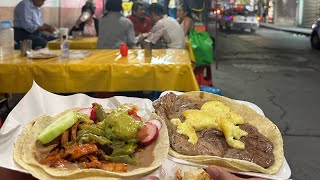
<point x="123" y="125"/>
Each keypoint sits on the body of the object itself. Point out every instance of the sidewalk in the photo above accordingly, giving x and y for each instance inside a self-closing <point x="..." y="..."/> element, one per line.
<point x="305" y="31"/>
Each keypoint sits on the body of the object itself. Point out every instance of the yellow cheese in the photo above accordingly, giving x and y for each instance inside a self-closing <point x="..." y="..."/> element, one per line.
<point x="200" y="119"/>
<point x="186" y="129"/>
<point x="213" y="114"/>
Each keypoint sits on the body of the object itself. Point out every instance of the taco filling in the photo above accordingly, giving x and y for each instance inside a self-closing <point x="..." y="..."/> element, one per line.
<point x="92" y="138"/>
<point x="206" y="127"/>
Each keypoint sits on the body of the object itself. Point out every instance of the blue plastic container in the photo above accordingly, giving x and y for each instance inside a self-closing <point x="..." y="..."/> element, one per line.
<point x="210" y="89"/>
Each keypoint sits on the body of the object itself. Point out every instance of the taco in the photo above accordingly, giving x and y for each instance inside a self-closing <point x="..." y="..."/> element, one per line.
<point x="209" y="129"/>
<point x="92" y="143"/>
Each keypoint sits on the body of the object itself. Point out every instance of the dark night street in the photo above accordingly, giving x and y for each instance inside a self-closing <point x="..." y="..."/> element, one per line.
<point x="279" y="72"/>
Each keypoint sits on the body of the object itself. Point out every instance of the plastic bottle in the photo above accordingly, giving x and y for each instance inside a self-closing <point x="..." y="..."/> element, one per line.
<point x="65" y="47"/>
<point x="6" y="39"/>
<point x="124" y="49"/>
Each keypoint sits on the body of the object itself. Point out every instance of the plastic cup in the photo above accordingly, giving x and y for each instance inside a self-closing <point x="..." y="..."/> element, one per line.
<point x="63" y="32"/>
<point x="85" y="16"/>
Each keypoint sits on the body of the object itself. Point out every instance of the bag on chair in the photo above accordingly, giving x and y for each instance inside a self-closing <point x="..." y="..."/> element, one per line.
<point x="201" y="43"/>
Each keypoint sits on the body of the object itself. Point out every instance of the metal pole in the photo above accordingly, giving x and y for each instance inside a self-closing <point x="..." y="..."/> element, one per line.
<point x="216" y="35"/>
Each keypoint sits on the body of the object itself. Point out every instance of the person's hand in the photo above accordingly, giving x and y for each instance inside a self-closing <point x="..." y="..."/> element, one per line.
<point x="46" y="27"/>
<point x="50" y="28"/>
<point x="218" y="173"/>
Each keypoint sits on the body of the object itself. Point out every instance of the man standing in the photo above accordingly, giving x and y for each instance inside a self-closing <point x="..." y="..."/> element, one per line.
<point x="28" y="23"/>
<point x="166" y="32"/>
<point x="141" y="23"/>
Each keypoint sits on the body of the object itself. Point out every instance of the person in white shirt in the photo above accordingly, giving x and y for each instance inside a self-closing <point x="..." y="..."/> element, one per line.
<point x="166" y="32"/>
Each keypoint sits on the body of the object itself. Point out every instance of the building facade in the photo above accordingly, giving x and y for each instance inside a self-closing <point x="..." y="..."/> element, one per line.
<point x="299" y="13"/>
<point x="310" y="12"/>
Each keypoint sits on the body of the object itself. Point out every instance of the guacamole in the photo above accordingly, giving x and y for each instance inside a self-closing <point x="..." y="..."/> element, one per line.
<point x="123" y="125"/>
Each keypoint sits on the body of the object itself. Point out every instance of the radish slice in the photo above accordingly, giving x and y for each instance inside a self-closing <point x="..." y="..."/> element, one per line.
<point x="90" y="112"/>
<point x="156" y="122"/>
<point x="153" y="134"/>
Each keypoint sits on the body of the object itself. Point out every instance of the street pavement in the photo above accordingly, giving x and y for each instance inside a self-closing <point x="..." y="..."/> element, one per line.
<point x="279" y="72"/>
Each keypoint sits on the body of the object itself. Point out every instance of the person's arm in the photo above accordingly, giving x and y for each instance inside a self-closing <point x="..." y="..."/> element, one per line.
<point x="156" y="33"/>
<point x="188" y="24"/>
<point x="46" y="27"/>
<point x="131" y="34"/>
<point x="76" y="27"/>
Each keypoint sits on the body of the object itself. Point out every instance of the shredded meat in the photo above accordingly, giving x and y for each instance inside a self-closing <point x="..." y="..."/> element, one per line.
<point x="93" y="164"/>
<point x="44" y="151"/>
<point x="74" y="130"/>
<point x="64" y="139"/>
<point x="54" y="156"/>
<point x="79" y="150"/>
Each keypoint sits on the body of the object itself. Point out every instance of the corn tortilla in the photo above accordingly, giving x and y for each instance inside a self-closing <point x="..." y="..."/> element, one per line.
<point x="26" y="141"/>
<point x="263" y="124"/>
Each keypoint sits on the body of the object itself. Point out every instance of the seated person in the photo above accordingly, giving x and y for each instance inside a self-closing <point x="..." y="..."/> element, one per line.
<point x="89" y="27"/>
<point x="141" y="23"/>
<point x="145" y="3"/>
<point x="184" y="18"/>
<point x="114" y="28"/>
<point x="29" y="24"/>
<point x="166" y="32"/>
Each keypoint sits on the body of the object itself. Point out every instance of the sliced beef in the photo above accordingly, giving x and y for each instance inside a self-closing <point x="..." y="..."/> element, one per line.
<point x="180" y="144"/>
<point x="258" y="148"/>
<point x="215" y="138"/>
<point x="211" y="141"/>
<point x="172" y="106"/>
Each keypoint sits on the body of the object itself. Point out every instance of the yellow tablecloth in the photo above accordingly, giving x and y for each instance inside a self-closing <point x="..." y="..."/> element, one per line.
<point x="91" y="43"/>
<point x="104" y="70"/>
<point x="190" y="50"/>
<point x="81" y="43"/>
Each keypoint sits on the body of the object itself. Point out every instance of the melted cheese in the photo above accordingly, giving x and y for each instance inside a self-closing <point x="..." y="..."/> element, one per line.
<point x="213" y="114"/>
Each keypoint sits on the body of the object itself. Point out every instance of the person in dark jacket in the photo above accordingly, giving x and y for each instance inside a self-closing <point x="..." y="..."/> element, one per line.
<point x="87" y="23"/>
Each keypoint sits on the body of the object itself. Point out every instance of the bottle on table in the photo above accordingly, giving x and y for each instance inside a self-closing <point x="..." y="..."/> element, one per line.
<point x="6" y="39"/>
<point x="65" y="47"/>
<point x="124" y="49"/>
<point x="147" y="49"/>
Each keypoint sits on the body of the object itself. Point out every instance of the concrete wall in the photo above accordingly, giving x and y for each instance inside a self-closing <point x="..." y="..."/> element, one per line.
<point x="285" y="12"/>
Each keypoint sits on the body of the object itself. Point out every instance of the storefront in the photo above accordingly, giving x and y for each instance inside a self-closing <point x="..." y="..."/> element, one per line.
<point x="299" y="13"/>
<point x="310" y="10"/>
<point x="285" y="12"/>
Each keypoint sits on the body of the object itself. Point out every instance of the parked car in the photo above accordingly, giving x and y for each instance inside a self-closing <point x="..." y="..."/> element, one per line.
<point x="238" y="18"/>
<point x="315" y="35"/>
